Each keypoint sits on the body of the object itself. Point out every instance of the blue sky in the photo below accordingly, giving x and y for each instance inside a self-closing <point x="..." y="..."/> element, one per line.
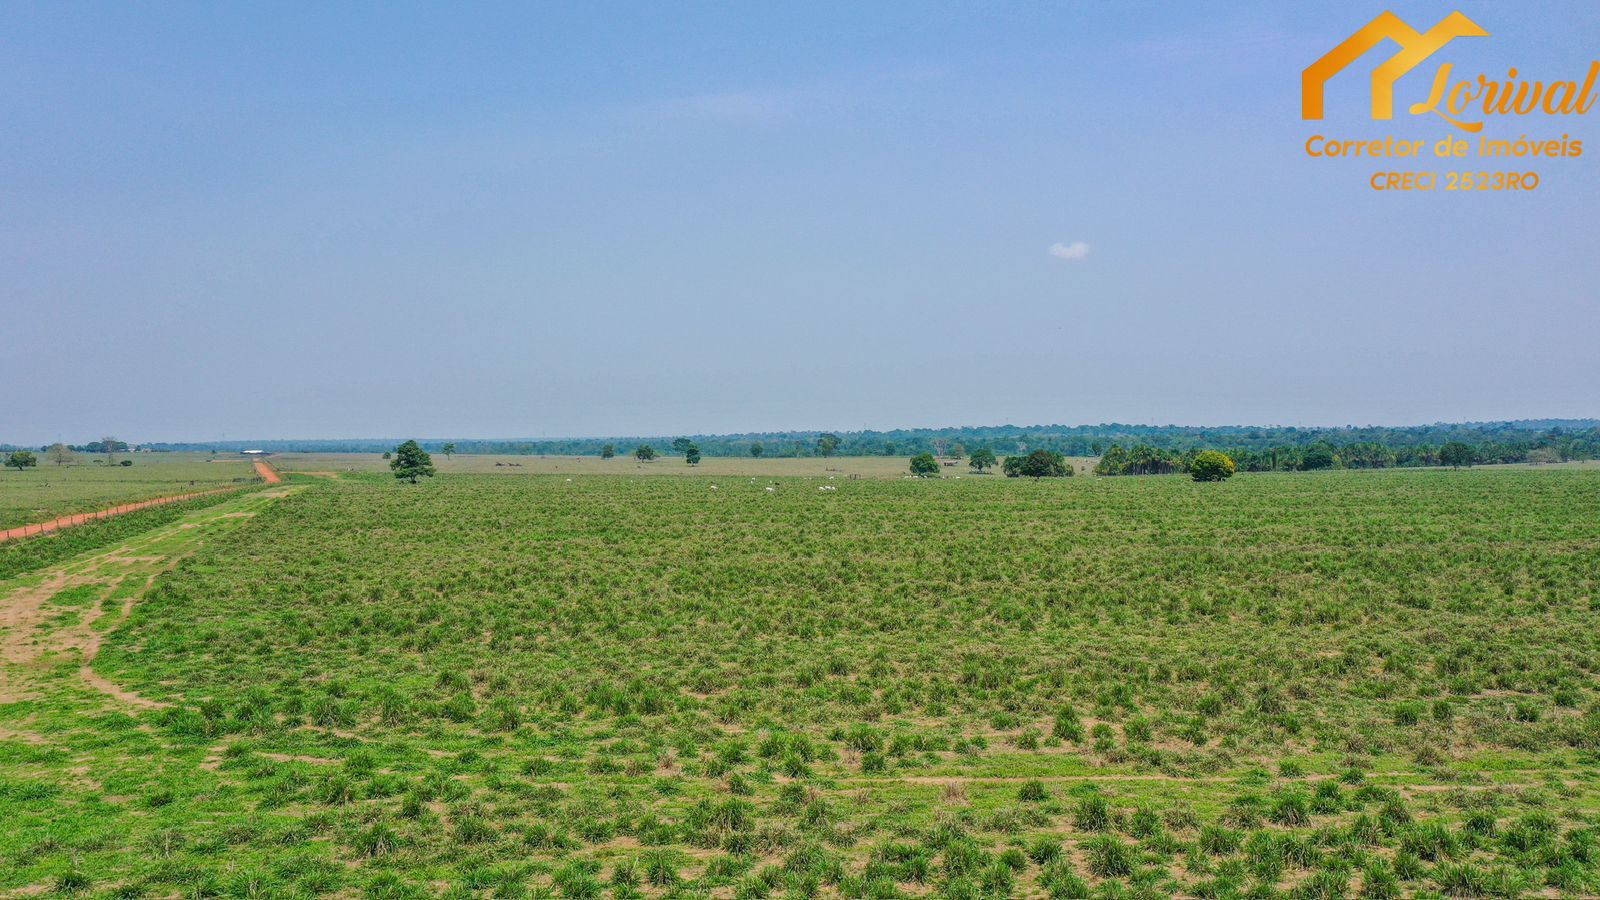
<point x="298" y="220"/>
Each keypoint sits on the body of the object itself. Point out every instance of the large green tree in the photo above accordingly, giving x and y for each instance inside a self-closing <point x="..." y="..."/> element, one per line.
<point x="21" y="459"/>
<point x="1319" y="456"/>
<point x="982" y="458"/>
<point x="827" y="444"/>
<point x="923" y="465"/>
<point x="1040" y="463"/>
<point x="411" y="462"/>
<point x="756" y="449"/>
<point x="692" y="455"/>
<point x="1456" y="454"/>
<point x="608" y="451"/>
<point x="645" y="453"/>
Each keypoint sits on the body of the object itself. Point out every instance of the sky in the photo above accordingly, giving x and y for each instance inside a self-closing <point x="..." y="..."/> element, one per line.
<point x="297" y="220"/>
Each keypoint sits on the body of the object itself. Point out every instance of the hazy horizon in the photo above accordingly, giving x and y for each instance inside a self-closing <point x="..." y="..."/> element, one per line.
<point x="1582" y="421"/>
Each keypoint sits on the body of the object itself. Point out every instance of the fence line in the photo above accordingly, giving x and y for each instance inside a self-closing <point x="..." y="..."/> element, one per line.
<point x="57" y="524"/>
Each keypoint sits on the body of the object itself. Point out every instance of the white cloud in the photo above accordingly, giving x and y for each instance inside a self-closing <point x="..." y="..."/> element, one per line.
<point x="1075" y="251"/>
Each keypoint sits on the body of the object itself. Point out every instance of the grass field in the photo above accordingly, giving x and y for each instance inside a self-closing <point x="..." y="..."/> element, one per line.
<point x="49" y="491"/>
<point x="1318" y="685"/>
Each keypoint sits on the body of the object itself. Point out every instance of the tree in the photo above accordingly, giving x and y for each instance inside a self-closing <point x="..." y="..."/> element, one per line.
<point x="1210" y="465"/>
<point x="692" y="455"/>
<point x="1040" y="463"/>
<point x="608" y="451"/>
<point x="448" y="449"/>
<point x="982" y="458"/>
<point x="957" y="450"/>
<point x="411" y="462"/>
<point x="60" y="454"/>
<point x="756" y="449"/>
<point x="110" y="444"/>
<point x="923" y="465"/>
<point x="1318" y="456"/>
<point x="681" y="445"/>
<point x="1144" y="459"/>
<point x="1456" y="454"/>
<point x="645" y="453"/>
<point x="387" y="455"/>
<point x="21" y="459"/>
<point x="827" y="444"/>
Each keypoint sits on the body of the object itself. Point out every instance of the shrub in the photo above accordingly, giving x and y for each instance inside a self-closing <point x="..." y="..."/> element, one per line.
<point x="660" y="867"/>
<point x="1093" y="814"/>
<point x="1044" y="850"/>
<point x="1211" y="465"/>
<point x="1109" y="857"/>
<point x="864" y="739"/>
<point x="1067" y="726"/>
<point x="997" y="880"/>
<point x="1407" y="713"/>
<point x="1461" y="880"/>
<point x="1033" y="791"/>
<point x="1061" y="883"/>
<point x="1219" y="841"/>
<point x="1290" y="808"/>
<point x="1378" y="881"/>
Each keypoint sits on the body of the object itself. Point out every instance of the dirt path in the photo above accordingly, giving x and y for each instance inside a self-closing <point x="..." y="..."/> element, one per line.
<point x="39" y="632"/>
<point x="268" y="473"/>
<point x="22" y="531"/>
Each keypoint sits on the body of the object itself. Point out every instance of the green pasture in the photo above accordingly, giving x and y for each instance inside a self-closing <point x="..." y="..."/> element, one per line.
<point x="48" y="491"/>
<point x="1323" y="685"/>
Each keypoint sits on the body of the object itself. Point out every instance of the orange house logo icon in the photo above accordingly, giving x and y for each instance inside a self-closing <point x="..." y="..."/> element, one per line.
<point x="1414" y="48"/>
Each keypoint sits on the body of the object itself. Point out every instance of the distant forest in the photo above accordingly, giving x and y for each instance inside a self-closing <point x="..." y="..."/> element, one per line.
<point x="1256" y="448"/>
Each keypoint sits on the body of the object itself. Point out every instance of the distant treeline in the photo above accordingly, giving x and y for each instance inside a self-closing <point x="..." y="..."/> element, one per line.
<point x="1253" y="448"/>
<point x="91" y="447"/>
<point x="1144" y="459"/>
<point x="97" y="447"/>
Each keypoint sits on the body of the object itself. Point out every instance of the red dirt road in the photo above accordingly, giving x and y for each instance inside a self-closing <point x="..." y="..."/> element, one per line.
<point x="80" y="518"/>
<point x="267" y="473"/>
